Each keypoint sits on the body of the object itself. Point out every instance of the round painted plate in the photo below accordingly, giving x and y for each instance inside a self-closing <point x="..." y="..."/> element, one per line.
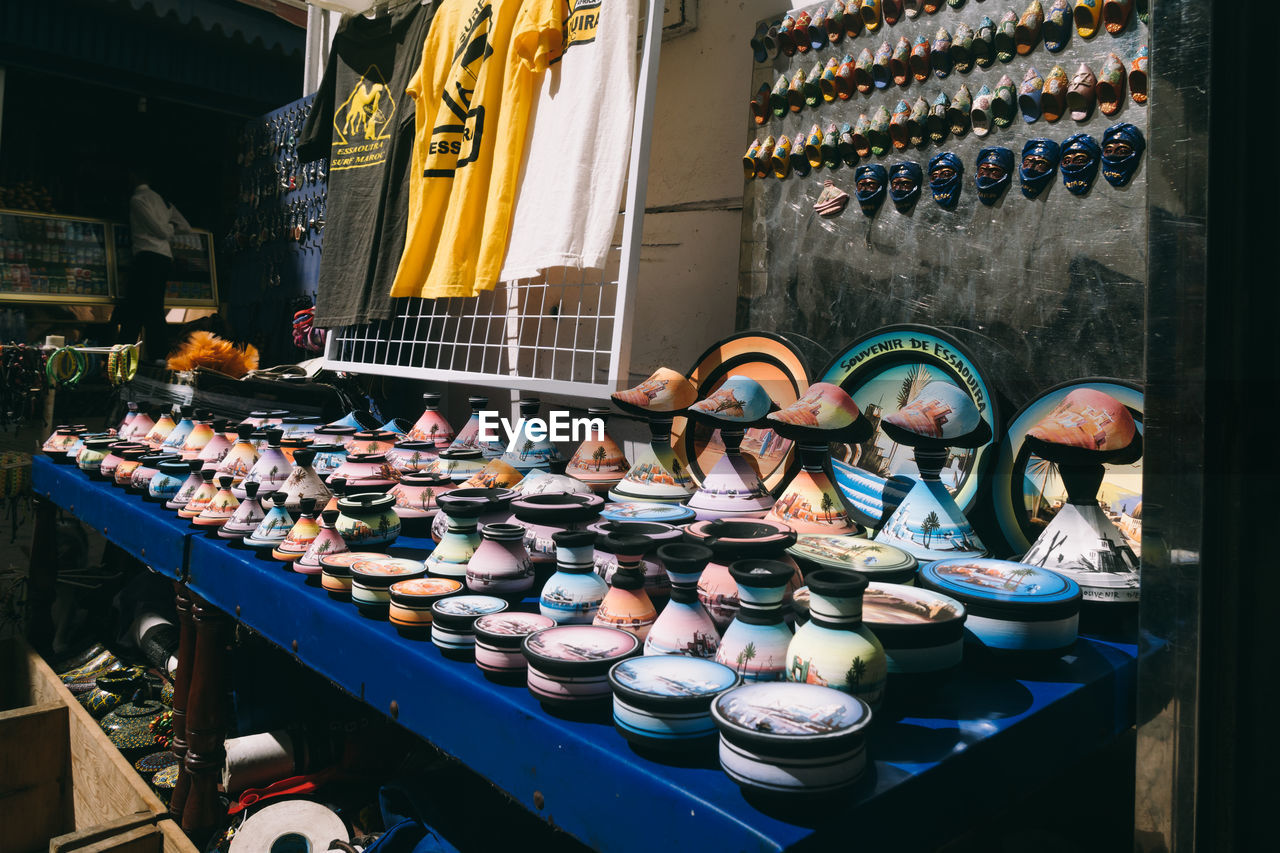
<point x="1027" y="490"/>
<point x="469" y="605"/>
<point x="580" y="645"/>
<point x="898" y="604"/>
<point x="676" y="514"/>
<point x="425" y="587"/>
<point x="883" y="372"/>
<point x="874" y="559"/>
<point x="671" y="678"/>
<point x="384" y="567"/>
<point x="791" y="711"/>
<point x="999" y="582"/>
<point x="770" y="360"/>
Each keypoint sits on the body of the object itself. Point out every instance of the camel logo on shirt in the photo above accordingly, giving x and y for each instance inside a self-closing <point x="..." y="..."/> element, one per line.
<point x="455" y="138"/>
<point x="360" y="123"/>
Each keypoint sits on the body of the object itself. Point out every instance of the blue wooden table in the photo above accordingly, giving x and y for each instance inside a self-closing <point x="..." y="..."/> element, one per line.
<point x="1003" y="727"/>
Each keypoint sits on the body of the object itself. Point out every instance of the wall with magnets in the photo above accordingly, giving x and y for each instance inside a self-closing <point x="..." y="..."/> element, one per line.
<point x="275" y="239"/>
<point x="1040" y="290"/>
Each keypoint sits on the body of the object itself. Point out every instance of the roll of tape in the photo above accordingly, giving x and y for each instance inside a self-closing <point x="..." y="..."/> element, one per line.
<point x="257" y="760"/>
<point x="293" y="826"/>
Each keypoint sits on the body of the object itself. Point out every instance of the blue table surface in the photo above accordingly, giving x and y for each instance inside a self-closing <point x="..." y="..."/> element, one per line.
<point x="1003" y="726"/>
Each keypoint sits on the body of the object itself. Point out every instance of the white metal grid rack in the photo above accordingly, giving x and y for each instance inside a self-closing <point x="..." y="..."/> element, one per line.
<point x="568" y="332"/>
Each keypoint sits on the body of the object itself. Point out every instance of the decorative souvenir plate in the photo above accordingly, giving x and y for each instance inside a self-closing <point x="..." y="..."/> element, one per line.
<point x="671" y="681"/>
<point x="921" y="630"/>
<point x="884" y="372"/>
<point x="770" y="360"/>
<point x="579" y="649"/>
<point x="1027" y="490"/>
<point x="676" y="514"/>
<point x="877" y="560"/>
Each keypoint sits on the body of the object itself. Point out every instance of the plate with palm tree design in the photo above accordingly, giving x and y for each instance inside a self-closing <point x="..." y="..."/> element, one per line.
<point x="1027" y="490"/>
<point x="884" y="372"/>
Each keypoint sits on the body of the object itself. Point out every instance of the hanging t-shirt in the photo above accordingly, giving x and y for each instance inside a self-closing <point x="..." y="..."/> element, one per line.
<point x="474" y="92"/>
<point x="363" y="122"/>
<point x="575" y="162"/>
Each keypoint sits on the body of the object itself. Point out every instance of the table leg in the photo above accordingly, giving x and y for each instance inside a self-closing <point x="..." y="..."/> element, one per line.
<point x="181" y="688"/>
<point x="206" y="722"/>
<point x="42" y="576"/>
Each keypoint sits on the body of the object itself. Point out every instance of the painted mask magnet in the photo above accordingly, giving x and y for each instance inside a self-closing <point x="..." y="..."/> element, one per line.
<point x="1079" y="163"/>
<point x="1039" y="162"/>
<point x="1122" y="147"/>
<point x="870" y="183"/>
<point x="993" y="174"/>
<point x="945" y="174"/>
<point x="904" y="185"/>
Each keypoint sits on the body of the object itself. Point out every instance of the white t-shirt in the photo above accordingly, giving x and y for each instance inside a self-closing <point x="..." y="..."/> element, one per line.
<point x="575" y="159"/>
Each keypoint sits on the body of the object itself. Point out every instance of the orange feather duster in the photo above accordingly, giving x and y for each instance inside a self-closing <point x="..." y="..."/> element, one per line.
<point x="207" y="350"/>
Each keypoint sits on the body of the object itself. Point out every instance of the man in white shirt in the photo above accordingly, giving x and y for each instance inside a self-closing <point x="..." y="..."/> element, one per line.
<point x="152" y="224"/>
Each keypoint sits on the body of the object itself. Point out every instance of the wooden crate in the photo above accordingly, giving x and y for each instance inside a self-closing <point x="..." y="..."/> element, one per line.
<point x="63" y="785"/>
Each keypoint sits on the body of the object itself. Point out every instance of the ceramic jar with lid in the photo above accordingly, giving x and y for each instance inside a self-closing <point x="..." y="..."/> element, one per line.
<point x="62" y="439"/>
<point x="551" y="481"/>
<point x="328" y="458"/>
<point x="461" y="538"/>
<point x="246" y="518"/>
<point x="371" y="581"/>
<point x="453" y="622"/>
<point x="459" y="465"/>
<point x="573" y="594"/>
<point x="366" y="472"/>
<point x="664" y="702"/>
<point x="626" y="605"/>
<point x="656" y="582"/>
<point x="371" y="443"/>
<point x="178" y="435"/>
<point x="791" y="738"/>
<point x="1013" y="608"/>
<point x="169" y="477"/>
<point x="273" y="528"/>
<point x="335" y="572"/>
<point x="301" y="535"/>
<point x="148" y="467"/>
<point x="164" y="425"/>
<point x="241" y="457"/>
<point x="412" y="457"/>
<point x="411" y="600"/>
<point x="220" y="507"/>
<point x="198" y="439"/>
<point x="112" y="689"/>
<point x="500" y="565"/>
<point x="188" y="487"/>
<point x="368" y="521"/>
<point x="303" y="482"/>
<point x="683" y="627"/>
<point x="569" y="664"/>
<point x="115" y="455"/>
<point x="500" y="643"/>
<point x="545" y="514"/>
<point x="734" y="539"/>
<point x="834" y="648"/>
<point x="496" y="509"/>
<point x="270" y="470"/>
<point x="922" y="631"/>
<point x="131" y="412"/>
<point x="128" y="727"/>
<point x="139" y="426"/>
<point x="468" y="437"/>
<point x="130" y="459"/>
<point x="532" y="448"/>
<point x="92" y="452"/>
<point x="212" y="454"/>
<point x="328" y="541"/>
<point x="200" y="497"/>
<point x="599" y="461"/>
<point x="415" y="501"/>
<point x="431" y="426"/>
<point x="755" y="643"/>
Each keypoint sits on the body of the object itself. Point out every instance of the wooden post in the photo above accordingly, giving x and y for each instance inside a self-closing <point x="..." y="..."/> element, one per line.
<point x="181" y="689"/>
<point x="205" y="722"/>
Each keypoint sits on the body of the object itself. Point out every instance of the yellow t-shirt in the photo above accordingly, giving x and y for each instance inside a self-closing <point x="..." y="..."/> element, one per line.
<point x="473" y="92"/>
